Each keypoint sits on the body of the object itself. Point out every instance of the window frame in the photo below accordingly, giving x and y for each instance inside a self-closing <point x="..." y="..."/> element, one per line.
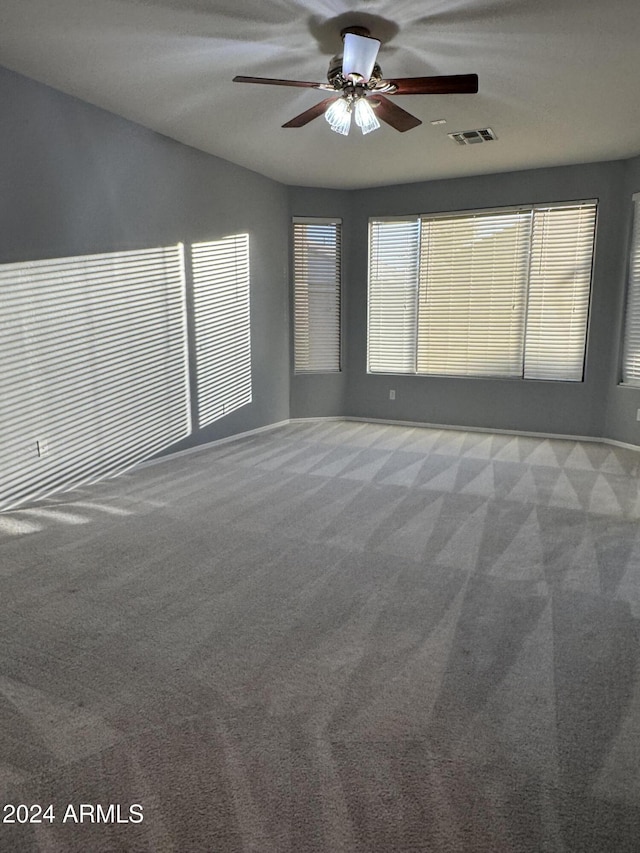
<point x="470" y="213"/>
<point x="633" y="258"/>
<point x="319" y="221"/>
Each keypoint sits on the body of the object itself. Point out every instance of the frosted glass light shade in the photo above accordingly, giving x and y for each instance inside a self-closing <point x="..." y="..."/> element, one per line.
<point x="339" y="116"/>
<point x="359" y="55"/>
<point x="365" y="117"/>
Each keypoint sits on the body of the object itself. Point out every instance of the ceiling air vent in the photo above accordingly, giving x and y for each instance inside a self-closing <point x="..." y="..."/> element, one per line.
<point x="472" y="137"/>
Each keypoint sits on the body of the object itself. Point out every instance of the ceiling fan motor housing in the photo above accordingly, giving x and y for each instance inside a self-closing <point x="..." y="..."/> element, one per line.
<point x="356" y="31"/>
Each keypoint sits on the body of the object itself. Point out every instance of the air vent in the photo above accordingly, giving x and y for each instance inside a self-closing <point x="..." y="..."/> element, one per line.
<point x="472" y="137"/>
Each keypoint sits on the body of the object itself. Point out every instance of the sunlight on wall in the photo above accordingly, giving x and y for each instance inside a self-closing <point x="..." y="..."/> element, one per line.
<point x="222" y="326"/>
<point x="94" y="371"/>
<point x="94" y="365"/>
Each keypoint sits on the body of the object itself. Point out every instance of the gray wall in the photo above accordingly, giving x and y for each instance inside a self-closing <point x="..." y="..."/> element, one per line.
<point x="540" y="406"/>
<point x="78" y="180"/>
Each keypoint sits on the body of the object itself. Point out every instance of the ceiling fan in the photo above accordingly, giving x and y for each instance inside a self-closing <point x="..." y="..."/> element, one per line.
<point x="361" y="89"/>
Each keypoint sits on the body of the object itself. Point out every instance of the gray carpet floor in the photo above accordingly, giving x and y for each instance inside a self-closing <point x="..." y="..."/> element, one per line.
<point x="333" y="636"/>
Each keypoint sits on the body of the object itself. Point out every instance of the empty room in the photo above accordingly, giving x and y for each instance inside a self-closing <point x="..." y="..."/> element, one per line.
<point x="319" y="426"/>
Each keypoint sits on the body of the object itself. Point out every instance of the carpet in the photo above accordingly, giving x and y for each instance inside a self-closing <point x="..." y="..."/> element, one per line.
<point x="327" y="637"/>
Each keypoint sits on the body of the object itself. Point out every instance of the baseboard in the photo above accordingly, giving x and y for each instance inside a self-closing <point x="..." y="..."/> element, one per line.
<point x="454" y="427"/>
<point x="315" y="420"/>
<point x="199" y="448"/>
<point x="625" y="445"/>
<point x="525" y="433"/>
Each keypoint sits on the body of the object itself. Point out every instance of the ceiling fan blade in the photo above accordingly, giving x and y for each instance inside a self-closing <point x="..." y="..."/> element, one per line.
<point x="271" y="82"/>
<point x="308" y="115"/>
<point x="454" y="84"/>
<point x="359" y="55"/>
<point x="393" y="114"/>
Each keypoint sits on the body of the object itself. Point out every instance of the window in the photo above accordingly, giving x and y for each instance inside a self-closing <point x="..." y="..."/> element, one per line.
<point x="491" y="293"/>
<point x="222" y="326"/>
<point x="393" y="289"/>
<point x="631" y="353"/>
<point x="317" y="263"/>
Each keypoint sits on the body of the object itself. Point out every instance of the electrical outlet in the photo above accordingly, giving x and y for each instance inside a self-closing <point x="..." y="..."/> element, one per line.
<point x="638" y="414"/>
<point x="392" y="395"/>
<point x="42" y="447"/>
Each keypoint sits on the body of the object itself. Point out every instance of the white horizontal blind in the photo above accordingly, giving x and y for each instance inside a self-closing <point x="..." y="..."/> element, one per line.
<point x="488" y="293"/>
<point x="222" y="326"/>
<point x="559" y="287"/>
<point x="317" y="253"/>
<point x="393" y="286"/>
<point x="631" y="354"/>
<point x="94" y="369"/>
<point x="472" y="286"/>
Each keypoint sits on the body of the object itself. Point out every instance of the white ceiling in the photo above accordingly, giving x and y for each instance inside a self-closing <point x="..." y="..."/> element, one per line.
<point x="559" y="80"/>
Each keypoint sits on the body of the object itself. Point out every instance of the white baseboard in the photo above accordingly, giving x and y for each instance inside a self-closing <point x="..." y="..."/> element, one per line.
<point x="315" y="420"/>
<point x="453" y="427"/>
<point x="625" y="445"/>
<point x="560" y="436"/>
<point x="199" y="448"/>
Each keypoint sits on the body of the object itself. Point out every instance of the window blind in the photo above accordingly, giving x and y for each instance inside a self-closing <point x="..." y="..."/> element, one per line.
<point x="558" y="291"/>
<point x="94" y="375"/>
<point x="471" y="305"/>
<point x="393" y="287"/>
<point x="220" y="270"/>
<point x="317" y="250"/>
<point x="631" y="352"/>
<point x="488" y="293"/>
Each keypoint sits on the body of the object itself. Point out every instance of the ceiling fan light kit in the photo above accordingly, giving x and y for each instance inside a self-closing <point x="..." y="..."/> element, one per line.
<point x="365" y="117"/>
<point x="360" y="88"/>
<point x="339" y="116"/>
